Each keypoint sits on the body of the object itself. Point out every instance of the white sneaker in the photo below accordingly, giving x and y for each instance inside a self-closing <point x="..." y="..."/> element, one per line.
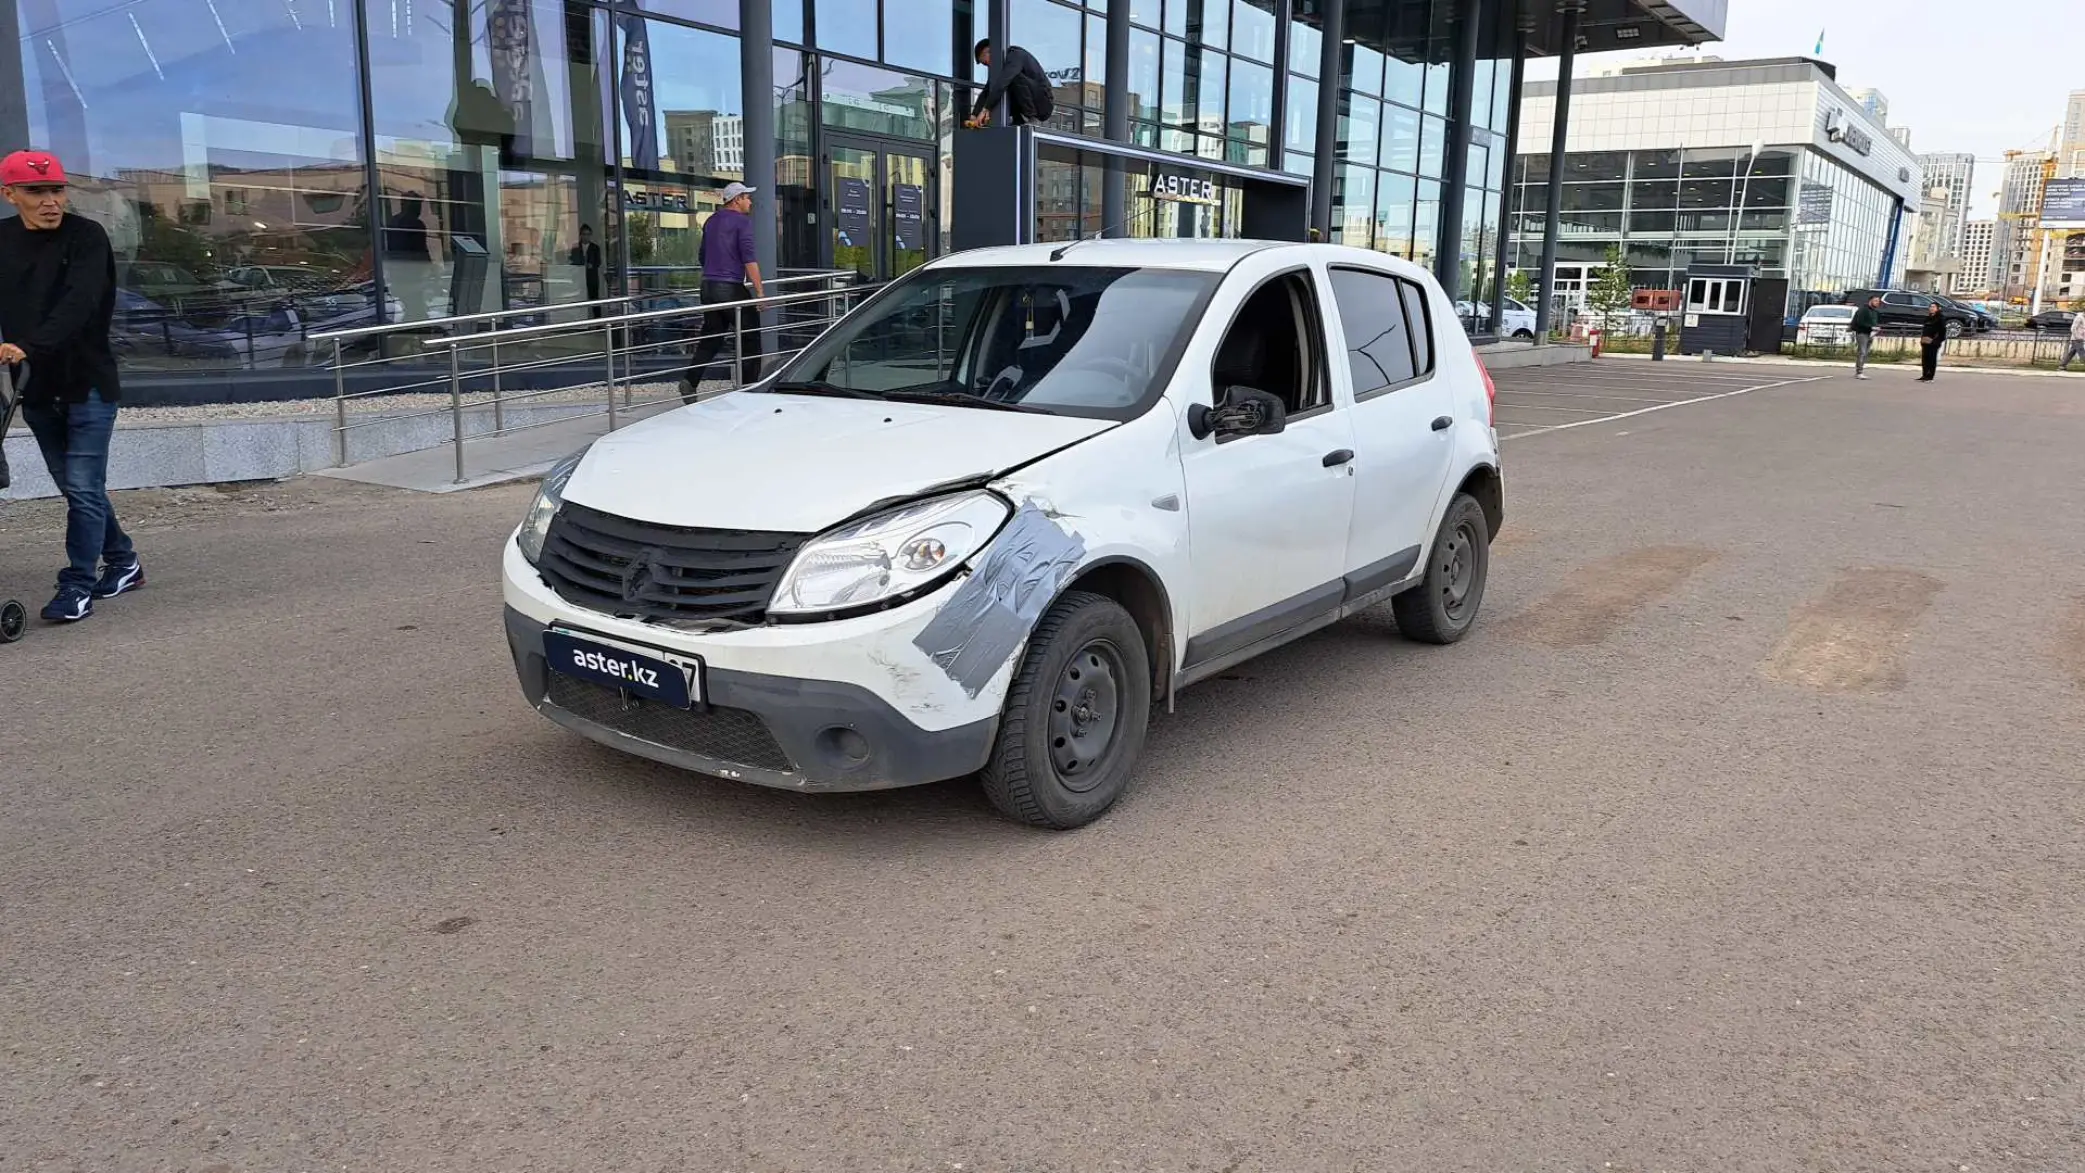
<point x="1862" y="375"/>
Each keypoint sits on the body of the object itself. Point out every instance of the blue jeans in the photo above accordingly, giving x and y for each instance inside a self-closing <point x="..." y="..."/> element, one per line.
<point x="75" y="438"/>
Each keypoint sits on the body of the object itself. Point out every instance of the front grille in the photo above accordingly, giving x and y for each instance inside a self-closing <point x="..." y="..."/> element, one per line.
<point x="637" y="568"/>
<point x="727" y="735"/>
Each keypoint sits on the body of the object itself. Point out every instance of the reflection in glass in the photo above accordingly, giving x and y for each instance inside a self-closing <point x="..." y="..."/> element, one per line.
<point x="1394" y="214"/>
<point x="1404" y="82"/>
<point x="1300" y="122"/>
<point x="1433" y="146"/>
<point x="877" y="101"/>
<point x="1252" y="112"/>
<point x="1143" y="74"/>
<point x="1252" y="29"/>
<point x="1354" y="207"/>
<point x="847" y="26"/>
<point x="1401" y="144"/>
<point x="1426" y="222"/>
<point x="919" y="36"/>
<point x="1358" y="128"/>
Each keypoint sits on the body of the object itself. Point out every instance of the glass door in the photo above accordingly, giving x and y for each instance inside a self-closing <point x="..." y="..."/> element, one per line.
<point x="883" y="221"/>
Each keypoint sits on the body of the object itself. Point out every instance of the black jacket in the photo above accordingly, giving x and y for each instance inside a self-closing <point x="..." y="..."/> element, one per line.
<point x="1020" y="68"/>
<point x="1934" y="329"/>
<point x="57" y="297"/>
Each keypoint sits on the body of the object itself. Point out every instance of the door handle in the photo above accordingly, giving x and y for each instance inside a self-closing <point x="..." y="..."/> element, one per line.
<point x="1336" y="458"/>
<point x="1443" y="424"/>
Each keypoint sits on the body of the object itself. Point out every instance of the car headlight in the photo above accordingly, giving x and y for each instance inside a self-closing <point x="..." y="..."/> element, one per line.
<point x="888" y="555"/>
<point x="535" y="528"/>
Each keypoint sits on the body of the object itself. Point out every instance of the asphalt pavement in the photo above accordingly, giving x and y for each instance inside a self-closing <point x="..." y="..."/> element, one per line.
<point x="1744" y="834"/>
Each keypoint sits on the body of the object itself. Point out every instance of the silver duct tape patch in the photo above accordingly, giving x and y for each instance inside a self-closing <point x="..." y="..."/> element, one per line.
<point x="997" y="606"/>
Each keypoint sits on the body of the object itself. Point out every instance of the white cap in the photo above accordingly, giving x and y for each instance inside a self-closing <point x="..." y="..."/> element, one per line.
<point x="734" y="190"/>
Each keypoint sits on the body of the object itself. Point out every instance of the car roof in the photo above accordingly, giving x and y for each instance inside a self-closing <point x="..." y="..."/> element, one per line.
<point x="1205" y="256"/>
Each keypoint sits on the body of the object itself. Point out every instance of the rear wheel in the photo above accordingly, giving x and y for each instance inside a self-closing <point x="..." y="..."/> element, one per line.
<point x="1075" y="716"/>
<point x="1443" y="607"/>
<point x="14" y="620"/>
<point x="1954" y="328"/>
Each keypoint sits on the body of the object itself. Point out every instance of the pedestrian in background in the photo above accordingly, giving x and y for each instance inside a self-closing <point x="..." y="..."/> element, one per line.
<point x="1931" y="335"/>
<point x="1865" y="319"/>
<point x="730" y="273"/>
<point x="2076" y="348"/>
<point x="57" y="300"/>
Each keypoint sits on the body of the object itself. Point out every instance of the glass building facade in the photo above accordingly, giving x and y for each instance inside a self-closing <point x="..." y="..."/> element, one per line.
<point x="1766" y="164"/>
<point x="271" y="170"/>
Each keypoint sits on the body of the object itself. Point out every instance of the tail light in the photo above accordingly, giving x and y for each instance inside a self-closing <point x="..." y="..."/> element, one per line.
<point x="1491" y="396"/>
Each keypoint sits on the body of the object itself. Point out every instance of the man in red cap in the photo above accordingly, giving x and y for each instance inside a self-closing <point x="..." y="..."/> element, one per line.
<point x="57" y="298"/>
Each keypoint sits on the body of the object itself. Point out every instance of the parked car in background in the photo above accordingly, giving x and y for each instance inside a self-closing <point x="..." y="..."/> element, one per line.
<point x="1825" y="325"/>
<point x="1904" y="311"/>
<point x="1985" y="319"/>
<point x="2051" y="321"/>
<point x="1518" y="321"/>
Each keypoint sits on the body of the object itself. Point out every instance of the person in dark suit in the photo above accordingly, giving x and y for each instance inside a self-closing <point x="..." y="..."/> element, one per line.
<point x="586" y="255"/>
<point x="1931" y="333"/>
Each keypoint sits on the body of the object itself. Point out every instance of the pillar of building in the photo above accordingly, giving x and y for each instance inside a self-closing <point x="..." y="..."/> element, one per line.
<point x="998" y="21"/>
<point x="1331" y="69"/>
<point x="1277" y="134"/>
<point x="1547" y="278"/>
<point x="14" y="83"/>
<point x="1114" y="215"/>
<point x="1520" y="61"/>
<point x="756" y="67"/>
<point x="1462" y="81"/>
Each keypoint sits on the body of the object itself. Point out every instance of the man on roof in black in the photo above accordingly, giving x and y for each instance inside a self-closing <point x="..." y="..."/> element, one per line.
<point x="1020" y="80"/>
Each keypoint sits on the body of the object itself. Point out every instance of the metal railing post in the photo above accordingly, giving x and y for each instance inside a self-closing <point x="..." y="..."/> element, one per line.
<point x="499" y="404"/>
<point x="456" y="405"/>
<point x="339" y="408"/>
<point x="738" y="348"/>
<point x="608" y="334"/>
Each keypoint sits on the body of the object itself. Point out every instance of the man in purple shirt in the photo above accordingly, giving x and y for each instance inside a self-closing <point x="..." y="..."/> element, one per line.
<point x="730" y="272"/>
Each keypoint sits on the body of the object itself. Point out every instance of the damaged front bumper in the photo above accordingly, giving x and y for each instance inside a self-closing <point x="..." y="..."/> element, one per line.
<point x="851" y="704"/>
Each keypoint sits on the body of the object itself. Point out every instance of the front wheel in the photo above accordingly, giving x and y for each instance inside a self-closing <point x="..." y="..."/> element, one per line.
<point x="1523" y="333"/>
<point x="1075" y="716"/>
<point x="1954" y="329"/>
<point x="1443" y="607"/>
<point x="14" y="620"/>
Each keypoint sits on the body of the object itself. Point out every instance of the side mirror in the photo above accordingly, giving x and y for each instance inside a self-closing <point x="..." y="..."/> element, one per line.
<point x="1246" y="411"/>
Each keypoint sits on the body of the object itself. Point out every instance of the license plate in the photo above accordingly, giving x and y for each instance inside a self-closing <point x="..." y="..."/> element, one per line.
<point x="654" y="677"/>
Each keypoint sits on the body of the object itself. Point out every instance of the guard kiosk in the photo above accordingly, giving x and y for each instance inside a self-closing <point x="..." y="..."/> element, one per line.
<point x="1027" y="185"/>
<point x="1716" y="301"/>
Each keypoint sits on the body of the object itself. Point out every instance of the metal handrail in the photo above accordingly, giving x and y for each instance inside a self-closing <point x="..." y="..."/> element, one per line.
<point x="615" y="336"/>
<point x="356" y="332"/>
<point x="522" y="333"/>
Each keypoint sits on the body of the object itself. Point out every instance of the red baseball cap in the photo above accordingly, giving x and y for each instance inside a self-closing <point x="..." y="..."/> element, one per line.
<point x="31" y="169"/>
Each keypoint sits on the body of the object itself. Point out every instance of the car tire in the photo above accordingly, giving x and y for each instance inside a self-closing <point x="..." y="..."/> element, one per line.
<point x="1075" y="716"/>
<point x="1523" y="333"/>
<point x="1954" y="328"/>
<point x="1443" y="607"/>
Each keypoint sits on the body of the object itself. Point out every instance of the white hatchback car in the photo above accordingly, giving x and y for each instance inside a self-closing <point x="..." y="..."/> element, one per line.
<point x="989" y="517"/>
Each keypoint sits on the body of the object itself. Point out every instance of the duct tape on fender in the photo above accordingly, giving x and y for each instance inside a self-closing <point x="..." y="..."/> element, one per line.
<point x="991" y="614"/>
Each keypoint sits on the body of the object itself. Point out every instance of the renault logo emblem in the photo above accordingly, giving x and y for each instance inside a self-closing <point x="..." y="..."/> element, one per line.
<point x="640" y="574"/>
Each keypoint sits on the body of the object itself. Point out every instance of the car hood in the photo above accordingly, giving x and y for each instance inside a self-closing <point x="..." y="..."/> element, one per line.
<point x="799" y="464"/>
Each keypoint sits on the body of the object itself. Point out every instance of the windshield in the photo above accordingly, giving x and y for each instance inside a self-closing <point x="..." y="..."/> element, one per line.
<point x="1830" y="312"/>
<point x="1068" y="340"/>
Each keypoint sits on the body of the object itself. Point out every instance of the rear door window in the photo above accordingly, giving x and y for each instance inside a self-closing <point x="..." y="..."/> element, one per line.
<point x="1389" y="333"/>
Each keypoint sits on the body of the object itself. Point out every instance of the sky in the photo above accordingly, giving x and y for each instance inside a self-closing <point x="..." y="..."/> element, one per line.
<point x="1983" y="76"/>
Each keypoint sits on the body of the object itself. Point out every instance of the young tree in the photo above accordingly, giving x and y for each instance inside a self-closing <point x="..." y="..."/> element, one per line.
<point x="1521" y="287"/>
<point x="1610" y="292"/>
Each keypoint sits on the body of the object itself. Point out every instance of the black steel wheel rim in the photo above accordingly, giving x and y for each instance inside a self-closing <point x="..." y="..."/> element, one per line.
<point x="1459" y="570"/>
<point x="1085" y="715"/>
<point x="14" y="620"/>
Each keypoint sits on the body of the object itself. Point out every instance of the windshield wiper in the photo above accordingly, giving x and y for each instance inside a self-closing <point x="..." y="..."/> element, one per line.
<point x="820" y="387"/>
<point x="959" y="399"/>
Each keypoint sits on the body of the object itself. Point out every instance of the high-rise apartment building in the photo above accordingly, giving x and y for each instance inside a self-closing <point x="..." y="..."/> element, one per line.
<point x="1949" y="175"/>
<point x="1871" y="100"/>
<point x="2014" y="249"/>
<point x="1978" y="277"/>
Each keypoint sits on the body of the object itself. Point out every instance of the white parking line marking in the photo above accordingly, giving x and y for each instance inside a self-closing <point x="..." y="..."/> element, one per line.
<point x="1664" y="406"/>
<point x="1575" y="395"/>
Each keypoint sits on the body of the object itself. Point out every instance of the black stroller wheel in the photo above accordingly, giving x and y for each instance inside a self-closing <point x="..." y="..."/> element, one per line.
<point x="14" y="620"/>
